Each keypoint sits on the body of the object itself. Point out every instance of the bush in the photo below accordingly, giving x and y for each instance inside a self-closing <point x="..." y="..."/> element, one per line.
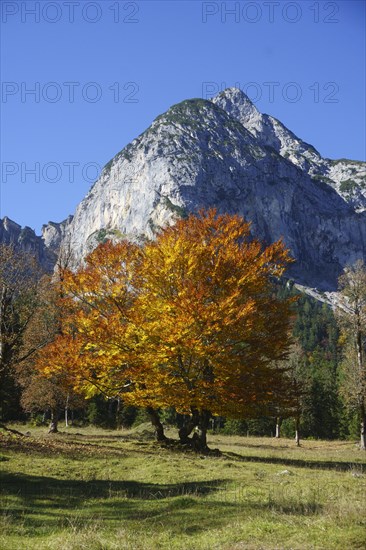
<point x="141" y="417"/>
<point x="235" y="427"/>
<point x="127" y="416"/>
<point x="38" y="419"/>
<point x="98" y="412"/>
<point x="288" y="428"/>
<point x="169" y="416"/>
<point x="262" y="427"/>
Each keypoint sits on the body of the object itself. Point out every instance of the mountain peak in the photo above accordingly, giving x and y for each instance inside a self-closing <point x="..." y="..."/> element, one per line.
<point x="238" y="105"/>
<point x="7" y="223"/>
<point x="235" y="95"/>
<point x="222" y="153"/>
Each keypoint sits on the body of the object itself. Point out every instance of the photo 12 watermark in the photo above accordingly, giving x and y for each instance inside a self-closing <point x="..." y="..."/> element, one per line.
<point x="69" y="92"/>
<point x="272" y="91"/>
<point x="70" y="12"/>
<point x="269" y="12"/>
<point x="49" y="172"/>
<point x="116" y="171"/>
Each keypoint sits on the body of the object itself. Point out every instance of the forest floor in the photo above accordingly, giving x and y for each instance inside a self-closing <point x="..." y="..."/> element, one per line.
<point x="95" y="489"/>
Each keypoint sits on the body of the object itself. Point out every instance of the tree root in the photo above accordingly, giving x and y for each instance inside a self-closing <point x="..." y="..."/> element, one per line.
<point x="188" y="446"/>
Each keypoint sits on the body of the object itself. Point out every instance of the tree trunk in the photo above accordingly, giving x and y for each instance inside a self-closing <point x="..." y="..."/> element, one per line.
<point x="155" y="421"/>
<point x="118" y="410"/>
<point x="2" y="317"/>
<point x="200" y="436"/>
<point x="361" y="372"/>
<point x="54" y="421"/>
<point x="363" y="427"/>
<point x="297" y="431"/>
<point x="67" y="412"/>
<point x="278" y="427"/>
<point x="110" y="410"/>
<point x="188" y="426"/>
<point x="203" y="427"/>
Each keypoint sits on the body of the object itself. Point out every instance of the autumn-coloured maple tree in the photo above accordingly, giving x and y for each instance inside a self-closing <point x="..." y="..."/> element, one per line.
<point x="96" y="341"/>
<point x="211" y="325"/>
<point x="190" y="320"/>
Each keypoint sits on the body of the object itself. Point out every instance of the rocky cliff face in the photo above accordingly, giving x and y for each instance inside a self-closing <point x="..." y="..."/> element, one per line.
<point x="221" y="153"/>
<point x="225" y="154"/>
<point x="347" y="177"/>
<point x="54" y="233"/>
<point x="44" y="248"/>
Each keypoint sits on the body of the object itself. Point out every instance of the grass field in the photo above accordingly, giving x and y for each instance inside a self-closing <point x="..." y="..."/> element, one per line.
<point x="97" y="489"/>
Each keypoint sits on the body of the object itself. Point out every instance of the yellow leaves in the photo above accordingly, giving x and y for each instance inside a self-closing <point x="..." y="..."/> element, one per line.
<point x="185" y="319"/>
<point x="204" y="286"/>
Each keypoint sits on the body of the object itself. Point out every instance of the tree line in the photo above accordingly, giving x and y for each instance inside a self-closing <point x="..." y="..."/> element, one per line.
<point x="196" y="327"/>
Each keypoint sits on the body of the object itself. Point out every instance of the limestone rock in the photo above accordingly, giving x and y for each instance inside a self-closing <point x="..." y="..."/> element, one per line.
<point x="225" y="154"/>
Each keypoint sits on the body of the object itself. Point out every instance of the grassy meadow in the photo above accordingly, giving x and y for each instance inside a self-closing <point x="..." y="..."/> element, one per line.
<point x="88" y="488"/>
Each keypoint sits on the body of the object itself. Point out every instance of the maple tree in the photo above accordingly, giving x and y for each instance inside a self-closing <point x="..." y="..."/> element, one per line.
<point x="93" y="347"/>
<point x="53" y="393"/>
<point x="42" y="394"/>
<point x="190" y="320"/>
<point x="212" y="325"/>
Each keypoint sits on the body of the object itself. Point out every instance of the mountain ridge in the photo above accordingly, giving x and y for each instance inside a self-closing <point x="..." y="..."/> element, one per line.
<point x="45" y="247"/>
<point x="298" y="151"/>
<point x="224" y="153"/>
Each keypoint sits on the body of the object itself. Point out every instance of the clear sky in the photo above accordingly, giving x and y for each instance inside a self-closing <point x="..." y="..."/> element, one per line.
<point x="102" y="71"/>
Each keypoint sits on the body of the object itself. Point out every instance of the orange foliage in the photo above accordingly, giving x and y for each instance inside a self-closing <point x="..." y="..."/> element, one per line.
<point x="189" y="320"/>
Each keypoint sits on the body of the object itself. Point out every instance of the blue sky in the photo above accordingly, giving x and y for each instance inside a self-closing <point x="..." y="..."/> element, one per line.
<point x="102" y="71"/>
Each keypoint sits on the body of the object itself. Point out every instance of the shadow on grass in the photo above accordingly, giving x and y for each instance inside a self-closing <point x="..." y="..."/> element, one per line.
<point x="116" y="436"/>
<point x="263" y="446"/>
<point x="299" y="463"/>
<point x="66" y="492"/>
<point x="45" y="504"/>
